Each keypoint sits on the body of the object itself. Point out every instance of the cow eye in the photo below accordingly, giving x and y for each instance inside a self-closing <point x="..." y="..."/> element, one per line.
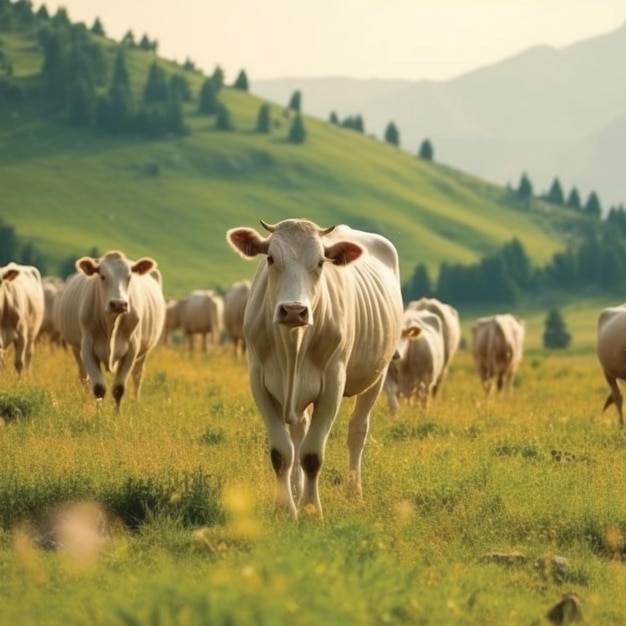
<point x="320" y="263"/>
<point x="270" y="260"/>
<point x="101" y="276"/>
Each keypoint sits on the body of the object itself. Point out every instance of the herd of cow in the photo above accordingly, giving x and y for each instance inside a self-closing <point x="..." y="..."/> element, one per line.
<point x="322" y="319"/>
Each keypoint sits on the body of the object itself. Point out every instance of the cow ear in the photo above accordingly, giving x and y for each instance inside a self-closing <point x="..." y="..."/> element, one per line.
<point x="343" y="252"/>
<point x="413" y="332"/>
<point x="143" y="266"/>
<point x="87" y="266"/>
<point x="11" y="274"/>
<point x="247" y="242"/>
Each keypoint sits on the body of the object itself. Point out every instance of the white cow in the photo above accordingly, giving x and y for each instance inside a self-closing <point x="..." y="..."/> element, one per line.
<point x="21" y="312"/>
<point x="611" y="349"/>
<point x="451" y="329"/>
<point x="111" y="314"/>
<point x="202" y="313"/>
<point x="52" y="288"/>
<point x="498" y="345"/>
<point x="322" y="322"/>
<point x="234" y="306"/>
<point x="417" y="367"/>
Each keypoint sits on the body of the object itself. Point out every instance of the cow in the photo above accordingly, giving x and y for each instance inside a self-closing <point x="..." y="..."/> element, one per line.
<point x="172" y="320"/>
<point x="52" y="288"/>
<point x="451" y="329"/>
<point x="234" y="306"/>
<point x="419" y="361"/>
<point x="202" y="313"/>
<point x="322" y="322"/>
<point x="498" y="344"/>
<point x="111" y="315"/>
<point x="21" y="312"/>
<point x="611" y="350"/>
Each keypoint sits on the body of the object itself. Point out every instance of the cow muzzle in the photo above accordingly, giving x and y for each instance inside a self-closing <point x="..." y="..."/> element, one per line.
<point x="293" y="314"/>
<point x="118" y="306"/>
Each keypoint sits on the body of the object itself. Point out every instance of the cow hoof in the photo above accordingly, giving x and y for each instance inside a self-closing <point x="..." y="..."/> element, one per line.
<point x="99" y="391"/>
<point x="118" y="393"/>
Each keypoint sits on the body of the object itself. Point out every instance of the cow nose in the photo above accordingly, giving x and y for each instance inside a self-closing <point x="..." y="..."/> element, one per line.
<point x="118" y="306"/>
<point x="293" y="314"/>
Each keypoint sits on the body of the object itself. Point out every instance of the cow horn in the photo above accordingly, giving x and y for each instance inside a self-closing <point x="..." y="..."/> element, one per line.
<point x="268" y="227"/>
<point x="326" y="231"/>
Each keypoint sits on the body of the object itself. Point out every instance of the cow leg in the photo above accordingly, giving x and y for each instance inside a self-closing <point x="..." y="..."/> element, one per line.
<point x="205" y="342"/>
<point x="280" y="444"/>
<point x="92" y="367"/>
<point x="358" y="428"/>
<point x="30" y="350"/>
<point x="312" y="448"/>
<point x="20" y="352"/>
<point x="617" y="398"/>
<point x="390" y="387"/>
<point x="137" y="375"/>
<point x="123" y="369"/>
<point x="298" y="432"/>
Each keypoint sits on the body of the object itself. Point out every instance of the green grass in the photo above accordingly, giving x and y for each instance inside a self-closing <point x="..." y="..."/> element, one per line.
<point x="187" y="483"/>
<point x="71" y="189"/>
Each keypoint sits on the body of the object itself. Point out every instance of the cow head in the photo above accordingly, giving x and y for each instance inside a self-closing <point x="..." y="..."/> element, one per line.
<point x="410" y="330"/>
<point x="115" y="272"/>
<point x="296" y="252"/>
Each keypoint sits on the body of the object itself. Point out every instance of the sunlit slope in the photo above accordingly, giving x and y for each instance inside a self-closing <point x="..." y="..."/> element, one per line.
<point x="70" y="189"/>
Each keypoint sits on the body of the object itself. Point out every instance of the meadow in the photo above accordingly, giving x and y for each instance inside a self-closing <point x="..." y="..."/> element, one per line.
<point x="474" y="512"/>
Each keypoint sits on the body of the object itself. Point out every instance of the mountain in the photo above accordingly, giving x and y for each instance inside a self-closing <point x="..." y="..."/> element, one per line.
<point x="535" y="112"/>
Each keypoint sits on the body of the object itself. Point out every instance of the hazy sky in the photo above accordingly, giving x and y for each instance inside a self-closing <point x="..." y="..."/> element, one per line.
<point x="412" y="39"/>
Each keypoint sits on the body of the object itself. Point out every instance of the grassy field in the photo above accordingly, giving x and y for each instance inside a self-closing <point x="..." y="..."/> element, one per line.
<point x="476" y="512"/>
<point x="70" y="189"/>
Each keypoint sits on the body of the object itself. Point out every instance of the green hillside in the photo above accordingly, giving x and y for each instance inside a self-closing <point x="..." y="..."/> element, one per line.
<point x="69" y="189"/>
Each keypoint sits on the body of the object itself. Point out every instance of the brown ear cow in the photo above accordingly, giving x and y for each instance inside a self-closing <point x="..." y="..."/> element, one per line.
<point x="498" y="345"/>
<point x="450" y="329"/>
<point x="322" y="322"/>
<point x="235" y="302"/>
<point x="111" y="314"/>
<point x="21" y="312"/>
<point x="419" y="361"/>
<point x="611" y="349"/>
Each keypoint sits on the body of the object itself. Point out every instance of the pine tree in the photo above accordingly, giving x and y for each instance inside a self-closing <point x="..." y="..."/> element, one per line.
<point x="525" y="188"/>
<point x="116" y="111"/>
<point x="392" y="134"/>
<point x="97" y="28"/>
<point x="156" y="89"/>
<point x="333" y="119"/>
<point x="418" y="285"/>
<point x="555" y="194"/>
<point x="592" y="207"/>
<point x="208" y="98"/>
<point x="573" y="200"/>
<point x="297" y="132"/>
<point x="222" y="120"/>
<point x="218" y="78"/>
<point x="555" y="334"/>
<point x="263" y="120"/>
<point x="241" y="82"/>
<point x="426" y="151"/>
<point x="295" y="102"/>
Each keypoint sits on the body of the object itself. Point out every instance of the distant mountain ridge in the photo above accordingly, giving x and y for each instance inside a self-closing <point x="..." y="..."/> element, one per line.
<point x="545" y="111"/>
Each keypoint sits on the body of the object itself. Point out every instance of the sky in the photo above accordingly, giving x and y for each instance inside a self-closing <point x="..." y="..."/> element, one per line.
<point x="405" y="39"/>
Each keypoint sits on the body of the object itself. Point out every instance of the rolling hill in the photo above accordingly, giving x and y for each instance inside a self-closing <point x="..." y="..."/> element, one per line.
<point x="69" y="189"/>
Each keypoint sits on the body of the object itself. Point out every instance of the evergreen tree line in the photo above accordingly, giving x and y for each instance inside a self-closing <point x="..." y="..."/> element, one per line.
<point x="597" y="263"/>
<point x="75" y="78"/>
